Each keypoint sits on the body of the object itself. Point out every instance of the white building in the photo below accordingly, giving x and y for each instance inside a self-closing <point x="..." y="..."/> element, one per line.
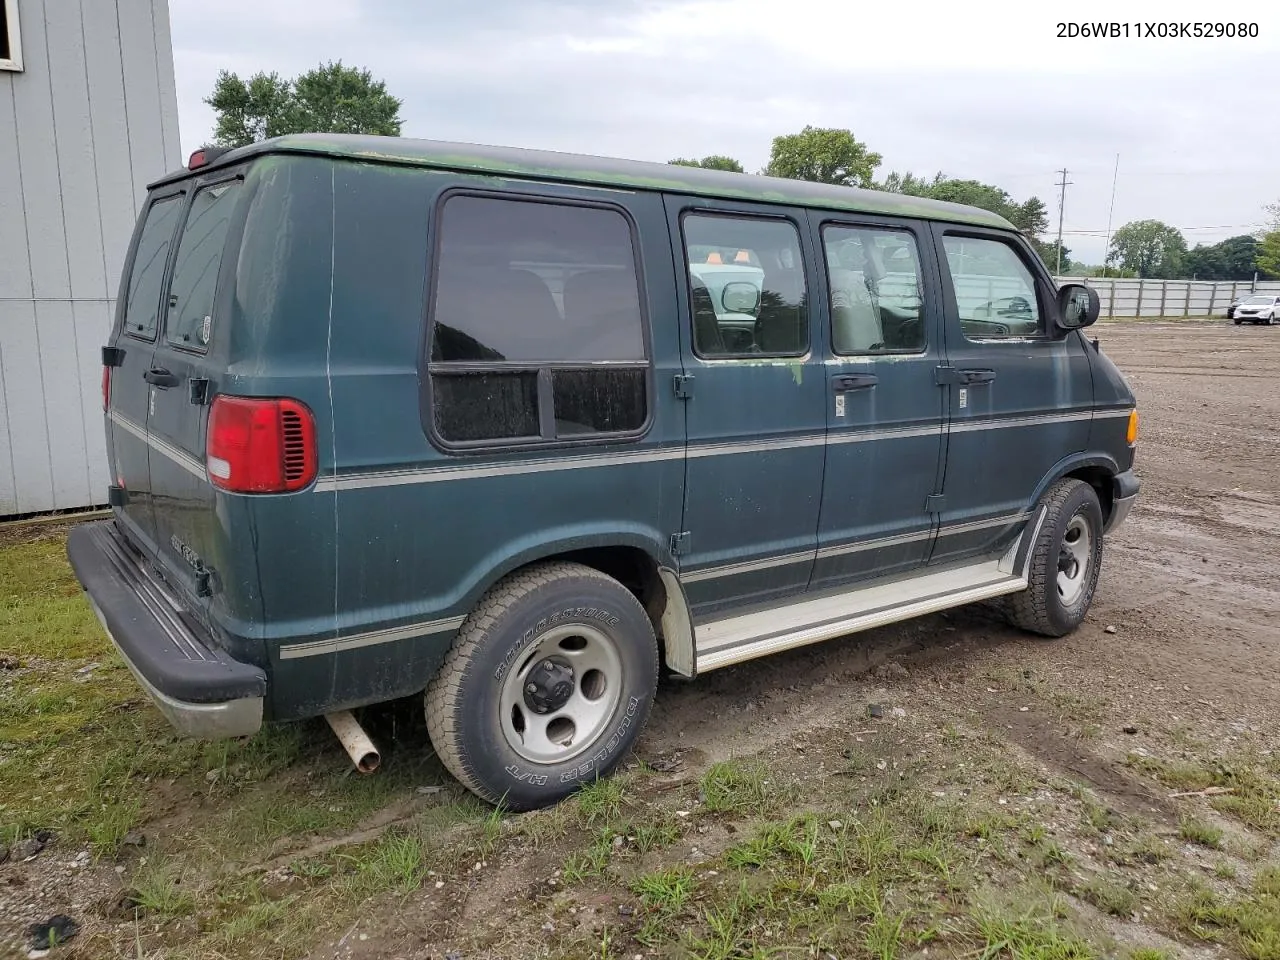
<point x="88" y="116"/>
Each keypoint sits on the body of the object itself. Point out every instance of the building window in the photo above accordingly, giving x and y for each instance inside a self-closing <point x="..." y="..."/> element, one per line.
<point x="537" y="331"/>
<point x="10" y="41"/>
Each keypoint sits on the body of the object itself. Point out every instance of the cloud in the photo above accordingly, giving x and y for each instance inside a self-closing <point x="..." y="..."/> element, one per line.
<point x="990" y="93"/>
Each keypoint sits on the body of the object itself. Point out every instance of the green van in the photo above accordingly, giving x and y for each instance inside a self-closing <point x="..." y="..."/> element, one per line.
<point x="390" y="418"/>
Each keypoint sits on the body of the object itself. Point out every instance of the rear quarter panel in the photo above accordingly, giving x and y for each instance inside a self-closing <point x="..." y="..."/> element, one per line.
<point x="419" y="534"/>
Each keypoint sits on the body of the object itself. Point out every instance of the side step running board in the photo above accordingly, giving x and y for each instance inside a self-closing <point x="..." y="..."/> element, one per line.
<point x="735" y="639"/>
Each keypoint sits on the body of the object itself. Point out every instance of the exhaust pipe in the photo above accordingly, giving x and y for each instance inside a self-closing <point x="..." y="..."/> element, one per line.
<point x="355" y="741"/>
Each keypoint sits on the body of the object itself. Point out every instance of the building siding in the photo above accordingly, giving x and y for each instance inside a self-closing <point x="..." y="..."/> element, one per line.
<point x="90" y="120"/>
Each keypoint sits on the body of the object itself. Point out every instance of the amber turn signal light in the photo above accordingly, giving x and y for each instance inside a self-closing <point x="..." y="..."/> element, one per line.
<point x="1131" y="435"/>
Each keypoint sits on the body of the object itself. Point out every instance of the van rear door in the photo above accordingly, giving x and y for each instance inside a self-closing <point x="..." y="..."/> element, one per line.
<point x="133" y="346"/>
<point x="184" y="370"/>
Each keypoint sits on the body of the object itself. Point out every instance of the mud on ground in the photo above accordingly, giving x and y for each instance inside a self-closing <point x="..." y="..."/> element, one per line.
<point x="1112" y="793"/>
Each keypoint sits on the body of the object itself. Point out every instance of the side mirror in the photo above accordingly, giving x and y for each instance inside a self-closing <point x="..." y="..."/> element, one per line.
<point x="1078" y="306"/>
<point x="740" y="297"/>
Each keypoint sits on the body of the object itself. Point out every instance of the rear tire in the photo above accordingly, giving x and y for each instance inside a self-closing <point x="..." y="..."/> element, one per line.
<point x="546" y="687"/>
<point x="1065" y="562"/>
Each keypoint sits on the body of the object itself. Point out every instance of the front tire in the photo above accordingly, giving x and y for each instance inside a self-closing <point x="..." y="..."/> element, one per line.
<point x="1065" y="562"/>
<point x="546" y="687"/>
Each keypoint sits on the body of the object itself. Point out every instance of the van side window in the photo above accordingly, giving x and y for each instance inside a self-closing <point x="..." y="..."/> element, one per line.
<point x="142" y="303"/>
<point x="995" y="292"/>
<point x="746" y="287"/>
<point x="536" y="324"/>
<point x="195" y="271"/>
<point x="876" y="293"/>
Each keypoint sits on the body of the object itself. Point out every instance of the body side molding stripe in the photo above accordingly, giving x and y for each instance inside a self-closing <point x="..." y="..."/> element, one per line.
<point x="163" y="447"/>
<point x="353" y="641"/>
<point x="454" y="471"/>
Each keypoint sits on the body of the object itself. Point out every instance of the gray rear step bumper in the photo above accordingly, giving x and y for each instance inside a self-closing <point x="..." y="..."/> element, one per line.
<point x="200" y="689"/>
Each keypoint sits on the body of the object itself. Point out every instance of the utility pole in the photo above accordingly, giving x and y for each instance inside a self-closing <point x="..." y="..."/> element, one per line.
<point x="1062" y="203"/>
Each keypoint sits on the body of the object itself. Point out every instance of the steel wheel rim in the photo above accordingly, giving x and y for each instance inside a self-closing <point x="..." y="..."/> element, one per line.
<point x="1074" y="560"/>
<point x="564" y="730"/>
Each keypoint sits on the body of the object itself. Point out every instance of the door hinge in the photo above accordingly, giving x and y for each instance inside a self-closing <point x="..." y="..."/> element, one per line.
<point x="117" y="496"/>
<point x="680" y="543"/>
<point x="935" y="503"/>
<point x="199" y="394"/>
<point x="112" y="356"/>
<point x="945" y="375"/>
<point x="684" y="385"/>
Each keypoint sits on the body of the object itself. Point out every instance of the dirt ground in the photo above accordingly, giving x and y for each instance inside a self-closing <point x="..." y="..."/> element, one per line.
<point x="1038" y="773"/>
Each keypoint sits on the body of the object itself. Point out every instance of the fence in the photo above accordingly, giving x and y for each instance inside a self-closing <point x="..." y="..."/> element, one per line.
<point x="1171" y="298"/>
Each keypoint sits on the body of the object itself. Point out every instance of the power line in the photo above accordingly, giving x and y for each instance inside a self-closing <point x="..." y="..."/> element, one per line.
<point x="1224" y="226"/>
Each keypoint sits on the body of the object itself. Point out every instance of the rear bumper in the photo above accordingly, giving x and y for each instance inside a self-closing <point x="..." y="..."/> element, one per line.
<point x="1124" y="496"/>
<point x="200" y="689"/>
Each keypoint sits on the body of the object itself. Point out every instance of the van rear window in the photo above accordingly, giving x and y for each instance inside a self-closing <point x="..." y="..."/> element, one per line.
<point x="146" y="276"/>
<point x="195" y="271"/>
<point x="537" y="329"/>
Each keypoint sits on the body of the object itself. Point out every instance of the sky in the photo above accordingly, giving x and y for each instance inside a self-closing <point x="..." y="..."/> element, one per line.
<point x="977" y="90"/>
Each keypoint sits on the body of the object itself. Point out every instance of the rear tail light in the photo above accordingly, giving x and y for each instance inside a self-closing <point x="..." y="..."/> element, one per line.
<point x="106" y="387"/>
<point x="260" y="445"/>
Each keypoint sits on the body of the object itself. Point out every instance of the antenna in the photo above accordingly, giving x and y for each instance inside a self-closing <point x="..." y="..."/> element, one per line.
<point x="1107" y="251"/>
<point x="1062" y="204"/>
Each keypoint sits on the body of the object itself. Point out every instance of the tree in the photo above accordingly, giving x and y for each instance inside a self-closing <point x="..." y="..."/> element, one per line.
<point x="1049" y="254"/>
<point x="1269" y="254"/>
<point x="1149" y="248"/>
<point x="251" y="111"/>
<point x="1232" y="259"/>
<point x="1203" y="263"/>
<point x="1031" y="216"/>
<point x="714" y="162"/>
<point x="910" y="184"/>
<point x="329" y="99"/>
<point x="823" y="155"/>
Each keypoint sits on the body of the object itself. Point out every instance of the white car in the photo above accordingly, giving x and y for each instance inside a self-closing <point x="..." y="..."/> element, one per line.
<point x="1258" y="309"/>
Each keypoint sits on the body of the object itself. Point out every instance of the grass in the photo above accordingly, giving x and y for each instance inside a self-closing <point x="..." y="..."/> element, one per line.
<point x="396" y="862"/>
<point x="88" y="757"/>
<point x="834" y="881"/>
<point x="1027" y="937"/>
<point x="593" y="860"/>
<point x="1250" y="923"/>
<point x="847" y="857"/>
<point x="652" y="836"/>
<point x="736" y="786"/>
<point x="158" y="891"/>
<point x="665" y="890"/>
<point x="1252" y="782"/>
<point x="601" y="800"/>
<point x="1109" y="896"/>
<point x="1197" y="831"/>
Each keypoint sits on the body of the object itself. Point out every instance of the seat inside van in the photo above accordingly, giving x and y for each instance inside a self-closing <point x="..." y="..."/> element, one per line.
<point x="855" y="319"/>
<point x="600" y="311"/>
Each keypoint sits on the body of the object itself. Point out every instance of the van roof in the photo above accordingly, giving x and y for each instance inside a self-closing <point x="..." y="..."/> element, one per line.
<point x="604" y="171"/>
